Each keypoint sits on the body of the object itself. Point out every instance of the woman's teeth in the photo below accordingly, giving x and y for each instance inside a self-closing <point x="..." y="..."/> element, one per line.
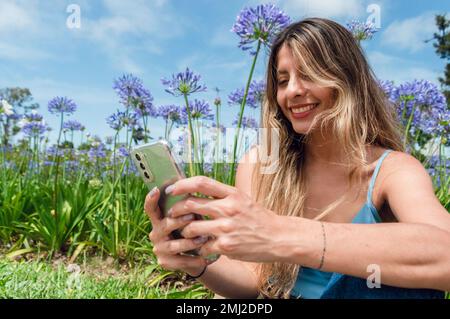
<point x="304" y="108"/>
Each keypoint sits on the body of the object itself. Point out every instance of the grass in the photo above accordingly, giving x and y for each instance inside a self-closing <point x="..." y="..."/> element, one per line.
<point x="98" y="279"/>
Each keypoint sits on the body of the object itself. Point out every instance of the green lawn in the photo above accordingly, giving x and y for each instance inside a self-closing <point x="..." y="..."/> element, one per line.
<point x="39" y="279"/>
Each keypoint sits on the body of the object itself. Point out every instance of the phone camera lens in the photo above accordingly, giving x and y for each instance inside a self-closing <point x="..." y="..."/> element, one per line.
<point x="142" y="165"/>
<point x="138" y="157"/>
<point x="146" y="175"/>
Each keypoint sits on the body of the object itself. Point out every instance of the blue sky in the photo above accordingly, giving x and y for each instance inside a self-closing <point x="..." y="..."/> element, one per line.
<point x="153" y="39"/>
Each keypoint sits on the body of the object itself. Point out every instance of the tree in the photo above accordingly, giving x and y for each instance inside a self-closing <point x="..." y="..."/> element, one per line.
<point x="442" y="46"/>
<point x="18" y="98"/>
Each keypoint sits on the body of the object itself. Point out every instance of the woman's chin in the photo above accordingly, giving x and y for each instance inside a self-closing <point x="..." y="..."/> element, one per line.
<point x="301" y="128"/>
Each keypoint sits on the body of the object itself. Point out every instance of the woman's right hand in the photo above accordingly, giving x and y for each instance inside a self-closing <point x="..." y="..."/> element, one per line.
<point x="165" y="248"/>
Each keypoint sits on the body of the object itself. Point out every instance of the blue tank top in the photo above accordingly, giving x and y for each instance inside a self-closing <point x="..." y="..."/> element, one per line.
<point x="311" y="283"/>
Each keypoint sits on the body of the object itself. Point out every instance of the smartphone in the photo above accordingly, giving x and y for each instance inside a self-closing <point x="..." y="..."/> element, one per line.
<point x="158" y="167"/>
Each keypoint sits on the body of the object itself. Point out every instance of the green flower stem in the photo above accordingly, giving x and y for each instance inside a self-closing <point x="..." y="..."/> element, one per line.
<point x="191" y="144"/>
<point x="442" y="165"/>
<point x="36" y="154"/>
<point x="165" y="130"/>
<point x="408" y="126"/>
<point x="3" y="157"/>
<point x="200" y="148"/>
<point x="114" y="163"/>
<point x="170" y="129"/>
<point x="216" y="150"/>
<point x="231" y="175"/>
<point x="145" y="128"/>
<point x="55" y="189"/>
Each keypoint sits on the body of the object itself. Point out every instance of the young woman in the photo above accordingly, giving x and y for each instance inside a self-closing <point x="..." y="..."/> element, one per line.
<point x="344" y="205"/>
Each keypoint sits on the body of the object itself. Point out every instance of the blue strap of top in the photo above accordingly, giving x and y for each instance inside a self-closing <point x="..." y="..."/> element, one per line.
<point x="374" y="176"/>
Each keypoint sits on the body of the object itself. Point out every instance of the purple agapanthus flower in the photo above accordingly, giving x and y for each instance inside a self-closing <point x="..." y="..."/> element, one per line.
<point x="97" y="151"/>
<point x="34" y="129"/>
<point x="262" y="23"/>
<point x="437" y="167"/>
<point x="132" y="93"/>
<point x="54" y="151"/>
<point x="199" y="109"/>
<point x="361" y="30"/>
<point x="428" y="104"/>
<point x="15" y="116"/>
<point x="119" y="120"/>
<point x="254" y="96"/>
<point x="73" y="125"/>
<point x="389" y="89"/>
<point x="247" y="122"/>
<point x="123" y="152"/>
<point x="33" y="117"/>
<point x="183" y="83"/>
<point x="62" y="105"/>
<point x="171" y="112"/>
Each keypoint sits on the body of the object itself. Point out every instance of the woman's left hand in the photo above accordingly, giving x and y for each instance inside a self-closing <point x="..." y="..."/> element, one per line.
<point x="240" y="228"/>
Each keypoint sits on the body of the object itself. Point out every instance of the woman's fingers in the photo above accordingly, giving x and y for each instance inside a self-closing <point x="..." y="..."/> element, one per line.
<point x="151" y="206"/>
<point x="201" y="206"/>
<point x="205" y="228"/>
<point x="177" y="246"/>
<point x="209" y="248"/>
<point x="186" y="263"/>
<point x="167" y="225"/>
<point x="201" y="184"/>
<point x="170" y="224"/>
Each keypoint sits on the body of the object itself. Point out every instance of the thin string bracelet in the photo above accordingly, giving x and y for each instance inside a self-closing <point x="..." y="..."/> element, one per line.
<point x="324" y="246"/>
<point x="198" y="276"/>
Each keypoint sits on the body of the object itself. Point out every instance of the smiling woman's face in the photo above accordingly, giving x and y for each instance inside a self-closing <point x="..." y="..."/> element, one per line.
<point x="299" y="98"/>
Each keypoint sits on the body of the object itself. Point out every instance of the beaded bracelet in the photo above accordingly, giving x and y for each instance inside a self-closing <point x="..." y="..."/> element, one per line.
<point x="324" y="246"/>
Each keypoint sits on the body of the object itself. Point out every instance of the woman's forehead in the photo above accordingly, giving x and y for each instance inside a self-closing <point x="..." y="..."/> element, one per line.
<point x="285" y="59"/>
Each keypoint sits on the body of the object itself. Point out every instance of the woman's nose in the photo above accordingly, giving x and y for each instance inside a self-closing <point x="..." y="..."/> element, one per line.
<point x="296" y="87"/>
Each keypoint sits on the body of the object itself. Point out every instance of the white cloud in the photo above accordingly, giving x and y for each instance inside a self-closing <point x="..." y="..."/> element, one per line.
<point x="16" y="52"/>
<point x="410" y="34"/>
<point x="135" y="18"/>
<point x="389" y="67"/>
<point x="150" y="22"/>
<point x="14" y="16"/>
<point x="119" y="29"/>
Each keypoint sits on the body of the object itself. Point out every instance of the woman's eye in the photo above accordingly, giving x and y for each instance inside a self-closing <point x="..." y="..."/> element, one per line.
<point x="282" y="82"/>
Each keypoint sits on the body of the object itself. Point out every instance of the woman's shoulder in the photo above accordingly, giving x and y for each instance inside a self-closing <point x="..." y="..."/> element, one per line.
<point x="397" y="160"/>
<point x="399" y="168"/>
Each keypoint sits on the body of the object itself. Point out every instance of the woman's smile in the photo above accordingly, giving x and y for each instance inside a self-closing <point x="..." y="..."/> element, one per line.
<point x="298" y="112"/>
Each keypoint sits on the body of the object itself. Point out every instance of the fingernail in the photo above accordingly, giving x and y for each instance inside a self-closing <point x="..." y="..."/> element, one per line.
<point x="187" y="217"/>
<point x="153" y="191"/>
<point x="169" y="212"/>
<point x="201" y="239"/>
<point x="170" y="188"/>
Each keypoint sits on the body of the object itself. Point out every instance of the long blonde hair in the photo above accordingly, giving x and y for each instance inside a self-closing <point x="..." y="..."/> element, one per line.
<point x="361" y="115"/>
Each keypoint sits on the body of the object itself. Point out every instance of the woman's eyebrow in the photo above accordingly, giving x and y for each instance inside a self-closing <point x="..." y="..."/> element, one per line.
<point x="279" y="72"/>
